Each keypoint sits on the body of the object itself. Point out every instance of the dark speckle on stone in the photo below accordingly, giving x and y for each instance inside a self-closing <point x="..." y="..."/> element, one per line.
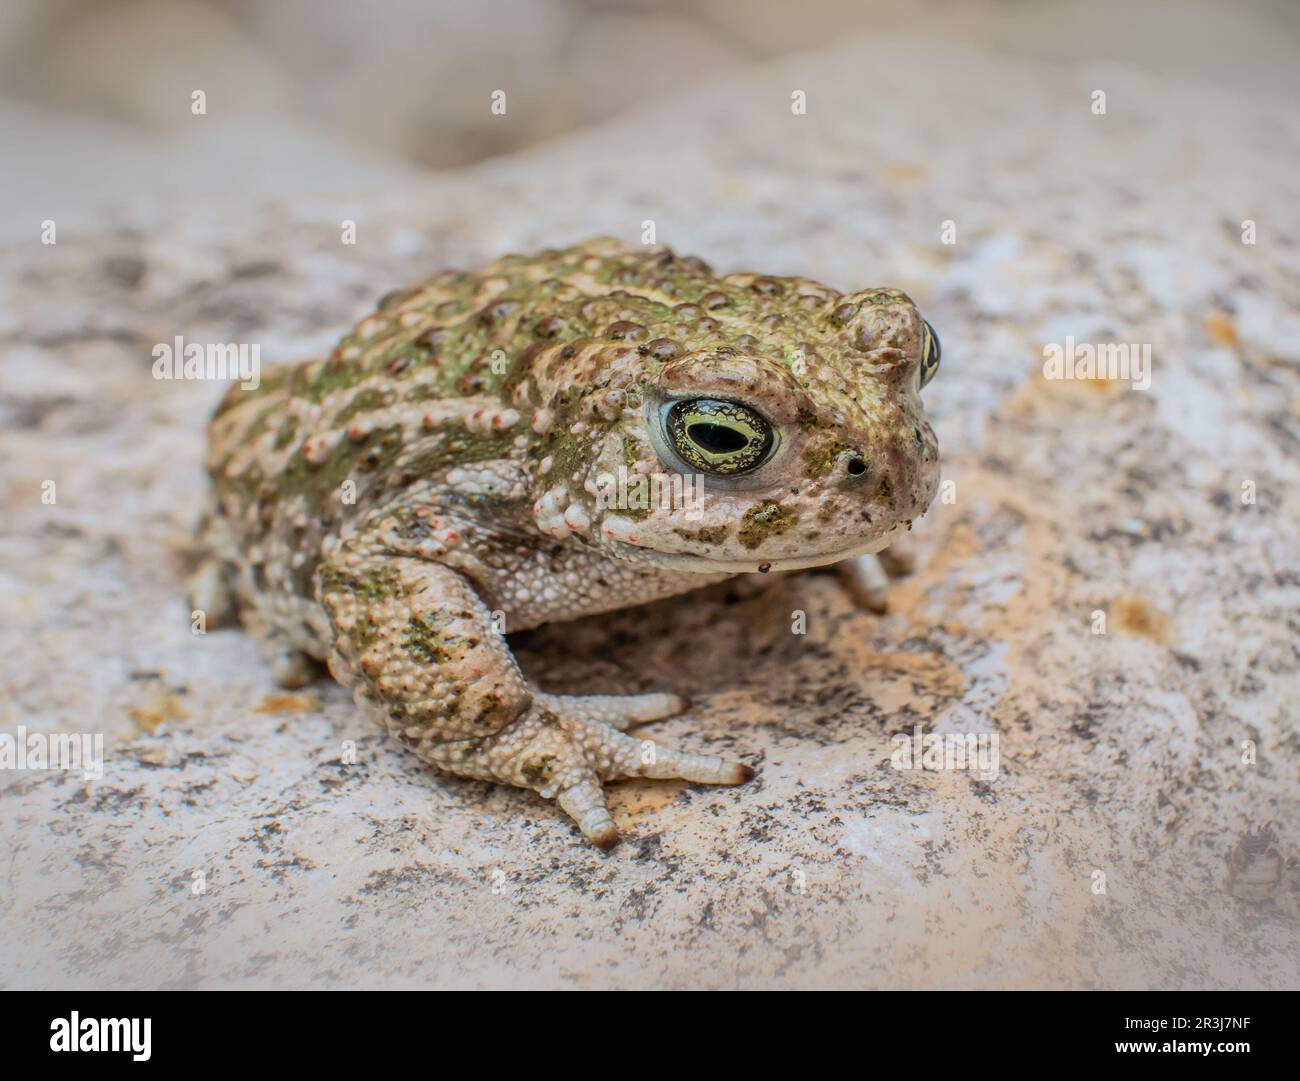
<point x="124" y="270"/>
<point x="256" y="268"/>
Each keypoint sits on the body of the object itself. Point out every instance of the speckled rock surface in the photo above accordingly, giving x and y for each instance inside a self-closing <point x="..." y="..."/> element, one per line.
<point x="1121" y="755"/>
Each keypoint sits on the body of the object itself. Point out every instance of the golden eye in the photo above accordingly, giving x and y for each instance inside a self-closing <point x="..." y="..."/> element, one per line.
<point x="717" y="437"/>
<point x="930" y="352"/>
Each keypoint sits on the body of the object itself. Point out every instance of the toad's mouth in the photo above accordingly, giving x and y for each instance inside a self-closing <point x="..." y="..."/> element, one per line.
<point x="703" y="564"/>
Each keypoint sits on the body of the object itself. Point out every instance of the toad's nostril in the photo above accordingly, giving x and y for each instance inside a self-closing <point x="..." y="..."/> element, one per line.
<point x="857" y="466"/>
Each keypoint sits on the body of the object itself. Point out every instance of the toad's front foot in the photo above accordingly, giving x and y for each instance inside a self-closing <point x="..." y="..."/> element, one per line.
<point x="867" y="576"/>
<point x="565" y="748"/>
<point x="419" y="648"/>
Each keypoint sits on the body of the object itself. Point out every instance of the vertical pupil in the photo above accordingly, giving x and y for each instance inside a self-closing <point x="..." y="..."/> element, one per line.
<point x="932" y="347"/>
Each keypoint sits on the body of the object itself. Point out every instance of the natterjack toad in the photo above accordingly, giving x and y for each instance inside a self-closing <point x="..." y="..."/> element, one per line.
<point x="550" y="437"/>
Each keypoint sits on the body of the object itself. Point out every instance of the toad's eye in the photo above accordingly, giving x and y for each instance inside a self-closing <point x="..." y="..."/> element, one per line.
<point x="717" y="437"/>
<point x="930" y="352"/>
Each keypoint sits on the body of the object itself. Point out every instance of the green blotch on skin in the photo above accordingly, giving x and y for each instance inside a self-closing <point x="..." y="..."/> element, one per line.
<point x="287" y="431"/>
<point x="317" y="483"/>
<point x="333" y="375"/>
<point x="364" y="402"/>
<point x="375" y="585"/>
<point x="458" y="447"/>
<point x="363" y="634"/>
<point x="425" y="644"/>
<point x="425" y="392"/>
<point x="819" y="459"/>
<point x="566" y="454"/>
<point x="766" y="520"/>
<point x="482" y="448"/>
<point x="711" y="534"/>
<point x="271" y="380"/>
<point x="261" y="422"/>
<point x="631" y="453"/>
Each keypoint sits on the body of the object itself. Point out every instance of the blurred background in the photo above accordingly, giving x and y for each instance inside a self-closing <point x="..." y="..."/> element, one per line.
<point x="337" y="96"/>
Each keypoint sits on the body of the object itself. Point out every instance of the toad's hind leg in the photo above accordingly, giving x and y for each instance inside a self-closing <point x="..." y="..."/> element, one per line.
<point x="419" y="649"/>
<point x="290" y="666"/>
<point x="211" y="586"/>
<point x="217" y="594"/>
<point x="211" y="595"/>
